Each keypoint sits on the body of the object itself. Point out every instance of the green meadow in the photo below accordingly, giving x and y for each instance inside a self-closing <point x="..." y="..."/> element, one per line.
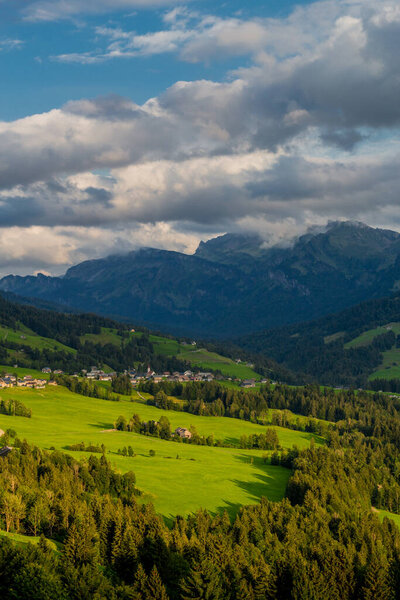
<point x="368" y="336"/>
<point x="202" y="358"/>
<point x="22" y="371"/>
<point x="107" y="336"/>
<point x="390" y="367"/>
<point x="18" y="538"/>
<point x="385" y="513"/>
<point x="27" y="337"/>
<point x="181" y="477"/>
<point x="211" y="361"/>
<point x="199" y="357"/>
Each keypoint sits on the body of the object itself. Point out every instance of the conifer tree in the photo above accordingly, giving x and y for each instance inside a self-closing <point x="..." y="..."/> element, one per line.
<point x="203" y="583"/>
<point x="376" y="581"/>
<point x="155" y="589"/>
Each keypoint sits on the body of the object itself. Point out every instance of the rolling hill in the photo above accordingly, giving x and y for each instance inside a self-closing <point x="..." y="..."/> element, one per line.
<point x="34" y="338"/>
<point x="180" y="478"/>
<point x="345" y="348"/>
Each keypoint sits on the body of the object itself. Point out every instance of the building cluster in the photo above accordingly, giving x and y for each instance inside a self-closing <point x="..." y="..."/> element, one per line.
<point x="239" y="361"/>
<point x="248" y="383"/>
<point x="9" y="380"/>
<point x="176" y="376"/>
<point x="98" y="374"/>
<point x="55" y="372"/>
<point x="149" y="375"/>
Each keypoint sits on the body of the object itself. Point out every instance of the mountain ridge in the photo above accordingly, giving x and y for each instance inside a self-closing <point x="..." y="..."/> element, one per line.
<point x="232" y="284"/>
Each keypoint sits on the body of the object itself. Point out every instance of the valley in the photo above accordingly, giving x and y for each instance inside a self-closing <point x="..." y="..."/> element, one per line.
<point x="211" y="478"/>
<point x="187" y="447"/>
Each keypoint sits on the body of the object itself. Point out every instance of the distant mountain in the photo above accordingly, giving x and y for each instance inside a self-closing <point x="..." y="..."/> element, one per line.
<point x="233" y="284"/>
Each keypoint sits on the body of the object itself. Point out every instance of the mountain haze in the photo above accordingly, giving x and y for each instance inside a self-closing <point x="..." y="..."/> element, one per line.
<point x="232" y="285"/>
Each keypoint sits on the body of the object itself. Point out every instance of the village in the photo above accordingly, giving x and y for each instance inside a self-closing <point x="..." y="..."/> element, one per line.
<point x="184" y="377"/>
<point x="97" y="374"/>
<point x="10" y="380"/>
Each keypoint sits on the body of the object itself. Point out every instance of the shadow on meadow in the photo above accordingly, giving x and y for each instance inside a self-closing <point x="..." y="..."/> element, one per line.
<point x="269" y="481"/>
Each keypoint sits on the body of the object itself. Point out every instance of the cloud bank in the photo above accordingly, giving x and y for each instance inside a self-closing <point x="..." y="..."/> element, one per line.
<point x="306" y="132"/>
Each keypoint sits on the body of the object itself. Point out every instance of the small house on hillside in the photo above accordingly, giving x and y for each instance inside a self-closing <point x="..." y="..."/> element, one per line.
<point x="183" y="433"/>
<point x="248" y="383"/>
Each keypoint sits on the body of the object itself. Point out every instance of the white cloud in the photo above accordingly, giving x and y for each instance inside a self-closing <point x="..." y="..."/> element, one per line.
<point x="10" y="44"/>
<point x="22" y="250"/>
<point x="53" y="10"/>
<point x="306" y="133"/>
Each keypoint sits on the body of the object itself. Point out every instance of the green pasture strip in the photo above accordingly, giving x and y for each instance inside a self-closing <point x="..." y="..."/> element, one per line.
<point x="368" y="336"/>
<point x="26" y="337"/>
<point x="333" y="337"/>
<point x="201" y="358"/>
<point x="385" y="513"/>
<point x="107" y="336"/>
<point x="19" y="538"/>
<point x="390" y="367"/>
<point x="202" y="476"/>
<point x="211" y="361"/>
<point x="22" y="371"/>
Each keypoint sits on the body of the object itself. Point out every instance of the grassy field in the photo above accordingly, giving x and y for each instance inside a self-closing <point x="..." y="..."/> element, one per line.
<point x="22" y="371"/>
<point x="211" y="361"/>
<point x="385" y="513"/>
<point x="368" y="336"/>
<point x="202" y="358"/>
<point x="26" y="337"/>
<point x="207" y="477"/>
<point x="18" y="538"/>
<point x="334" y="337"/>
<point x="165" y="346"/>
<point x="390" y="367"/>
<point x="199" y="357"/>
<point x="107" y="336"/>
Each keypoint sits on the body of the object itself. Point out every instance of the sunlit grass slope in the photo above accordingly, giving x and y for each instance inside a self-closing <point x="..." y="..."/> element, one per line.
<point x="390" y="367"/>
<point x="27" y="337"/>
<point x="207" y="477"/>
<point x="368" y="336"/>
<point x="18" y="538"/>
<point x="199" y="357"/>
<point x="385" y="513"/>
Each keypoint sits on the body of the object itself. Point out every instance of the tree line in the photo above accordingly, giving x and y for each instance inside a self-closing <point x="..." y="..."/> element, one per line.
<point x="321" y="541"/>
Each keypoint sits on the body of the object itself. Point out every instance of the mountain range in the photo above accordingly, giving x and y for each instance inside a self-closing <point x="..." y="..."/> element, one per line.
<point x="233" y="284"/>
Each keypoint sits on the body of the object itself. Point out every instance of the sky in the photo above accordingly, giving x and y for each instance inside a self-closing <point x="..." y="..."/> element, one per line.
<point x="129" y="123"/>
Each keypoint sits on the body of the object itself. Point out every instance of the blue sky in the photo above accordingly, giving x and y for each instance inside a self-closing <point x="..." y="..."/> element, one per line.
<point x="128" y="123"/>
<point x="32" y="81"/>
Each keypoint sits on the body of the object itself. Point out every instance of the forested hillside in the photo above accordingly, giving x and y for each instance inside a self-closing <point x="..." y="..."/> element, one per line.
<point x="328" y="538"/>
<point x="344" y="348"/>
<point x="33" y="337"/>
